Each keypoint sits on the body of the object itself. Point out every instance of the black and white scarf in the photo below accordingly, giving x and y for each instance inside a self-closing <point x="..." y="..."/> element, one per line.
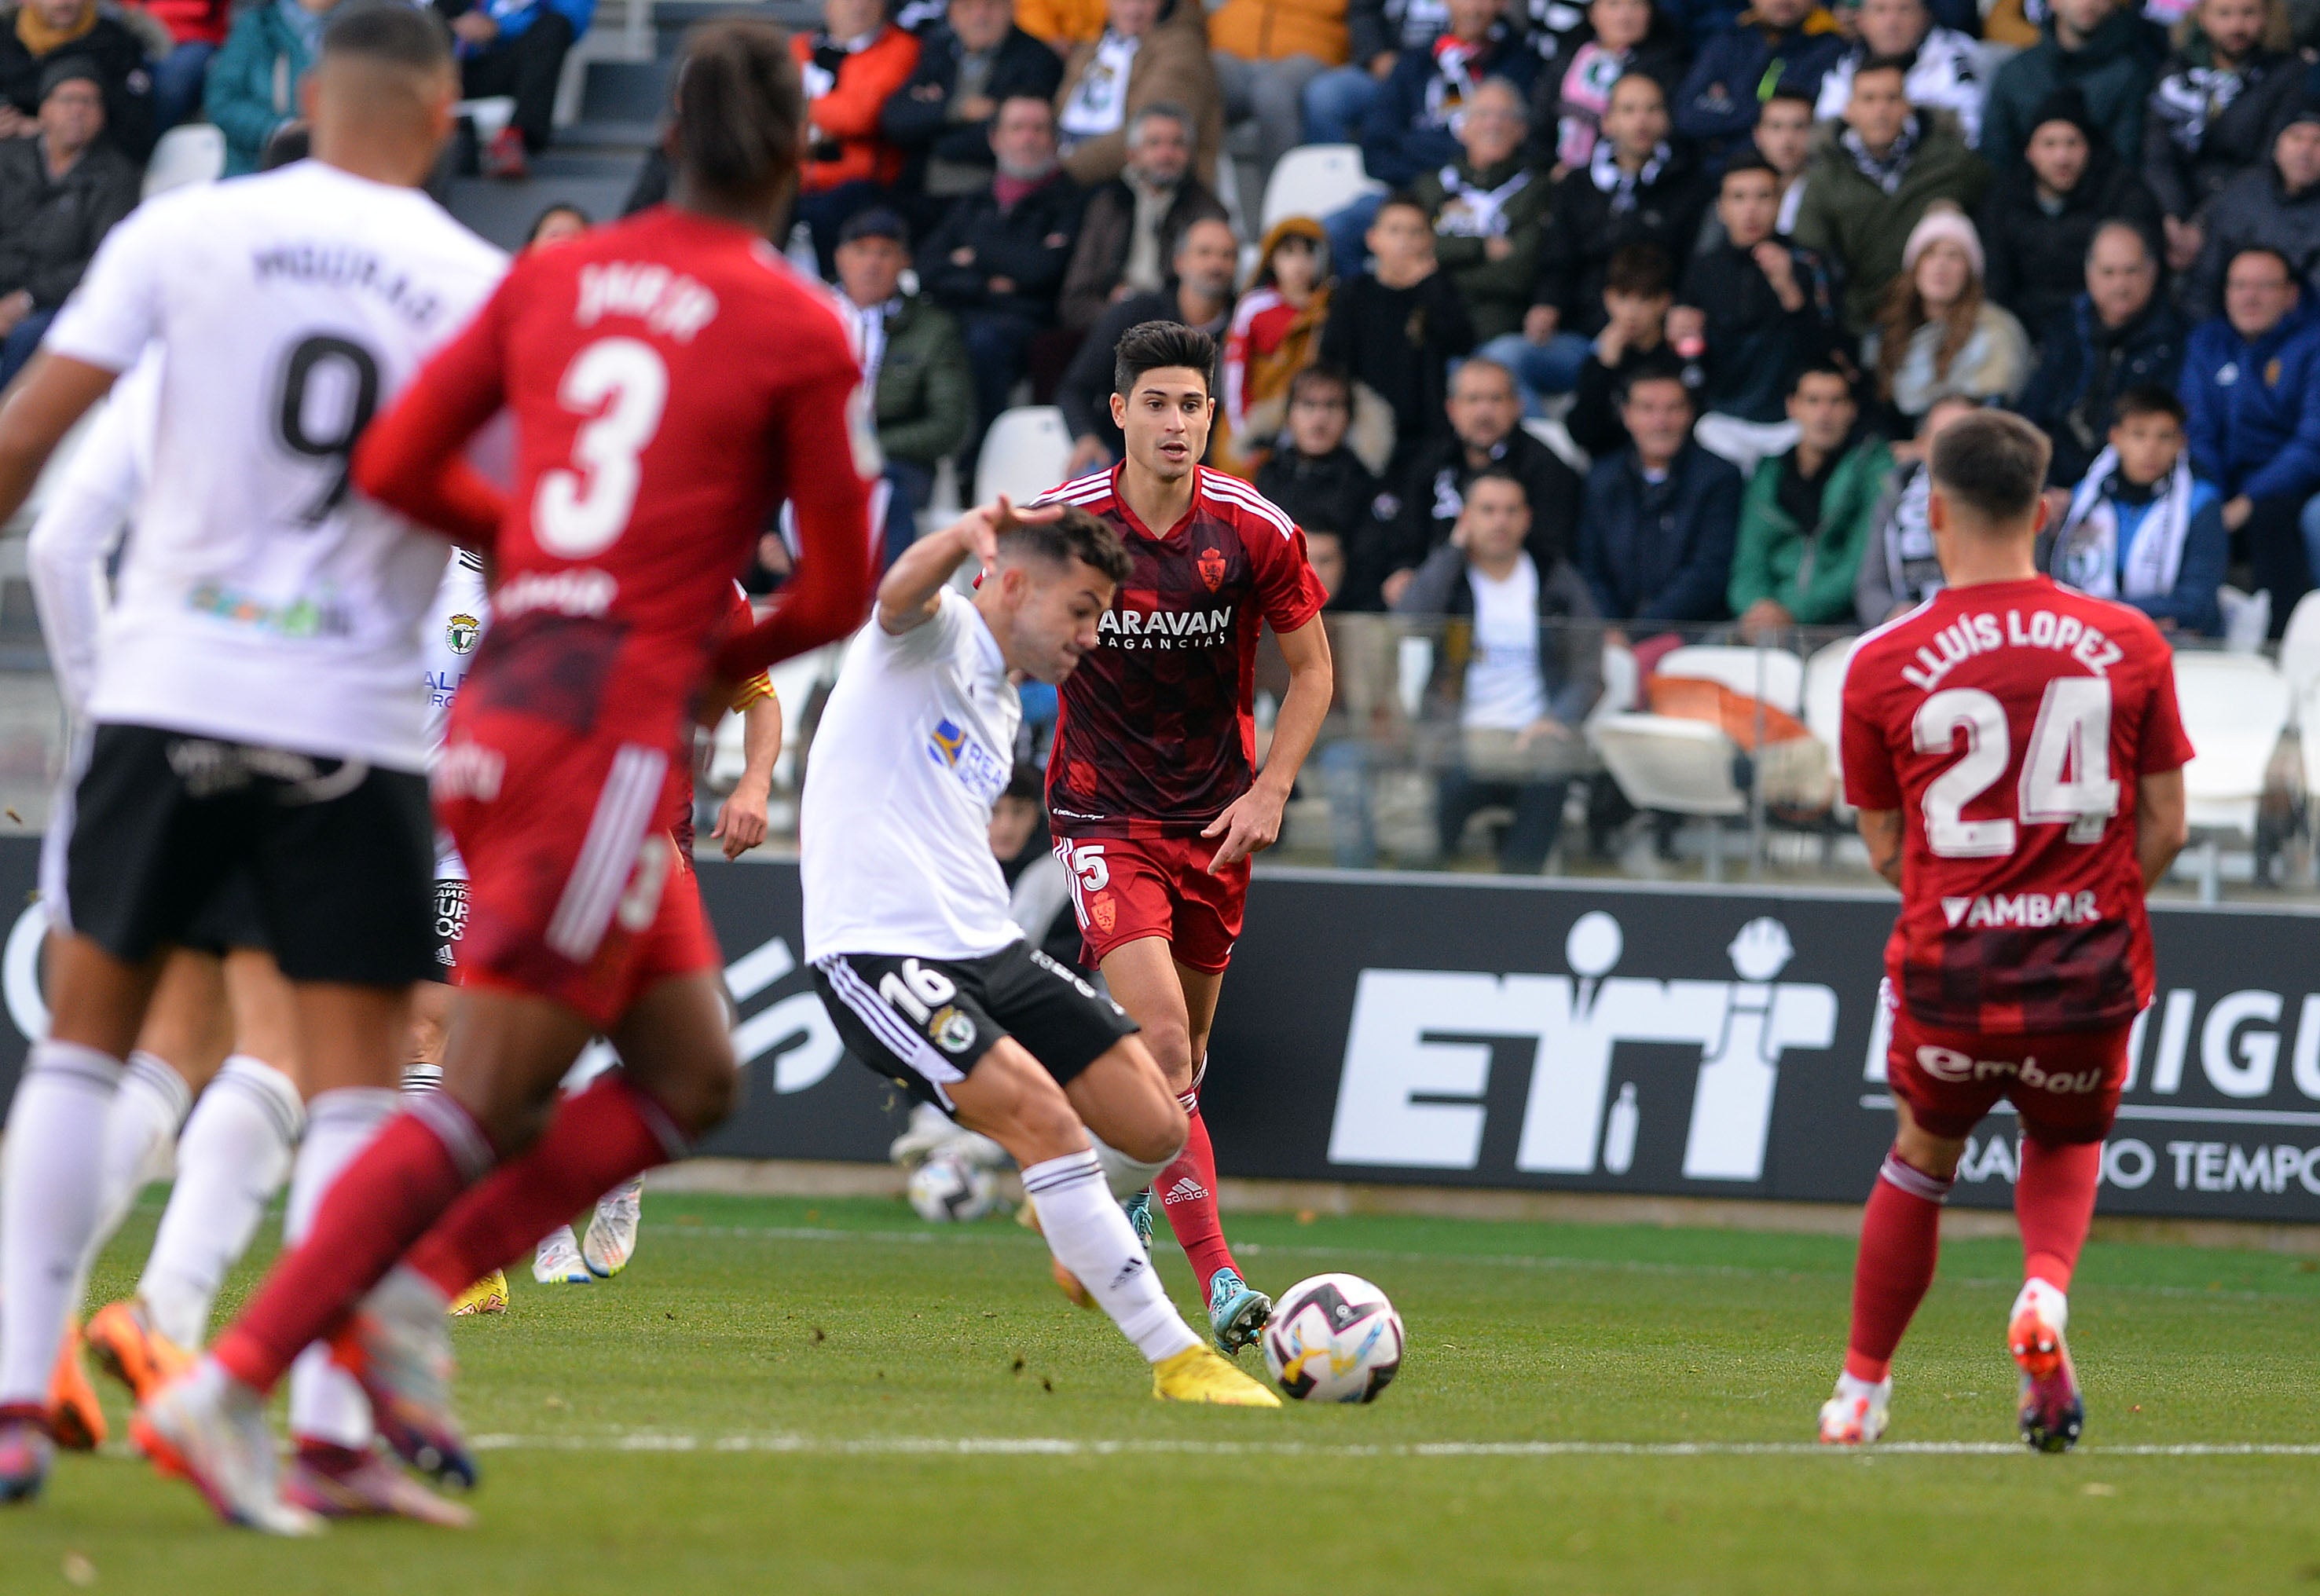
<point x="1603" y="169"/>
<point x="2086" y="551"/>
<point x="1469" y="210"/>
<point x="1886" y="170"/>
<point x="2191" y="99"/>
<point x="1913" y="570"/>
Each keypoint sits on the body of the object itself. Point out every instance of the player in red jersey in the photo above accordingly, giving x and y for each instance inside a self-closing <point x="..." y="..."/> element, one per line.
<point x="672" y="380"/>
<point x="2016" y="757"/>
<point x="1157" y="801"/>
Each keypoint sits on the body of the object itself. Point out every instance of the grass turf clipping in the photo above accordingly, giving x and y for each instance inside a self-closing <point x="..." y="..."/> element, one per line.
<point x="792" y="1395"/>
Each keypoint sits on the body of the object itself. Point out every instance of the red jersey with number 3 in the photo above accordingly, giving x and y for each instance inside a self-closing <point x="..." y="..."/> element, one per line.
<point x="2010" y="724"/>
<point x="1157" y="731"/>
<point x="673" y="380"/>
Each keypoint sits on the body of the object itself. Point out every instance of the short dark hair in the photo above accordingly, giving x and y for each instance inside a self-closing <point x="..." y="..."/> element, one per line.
<point x="1318" y="375"/>
<point x="1150" y="345"/>
<point x="1882" y="64"/>
<point x="1077" y="535"/>
<point x="558" y="207"/>
<point x="1633" y="75"/>
<point x="1499" y="474"/>
<point x="2286" y="265"/>
<point x="1660" y="365"/>
<point x="1819" y="366"/>
<point x="391" y="32"/>
<point x="1794" y="95"/>
<point x="1750" y="162"/>
<point x="1993" y="464"/>
<point x="1403" y="200"/>
<point x="2148" y="399"/>
<point x="1640" y="271"/>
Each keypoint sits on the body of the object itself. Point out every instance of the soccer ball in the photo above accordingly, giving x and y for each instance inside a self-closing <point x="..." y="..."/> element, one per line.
<point x="1334" y="1339"/>
<point x="947" y="1187"/>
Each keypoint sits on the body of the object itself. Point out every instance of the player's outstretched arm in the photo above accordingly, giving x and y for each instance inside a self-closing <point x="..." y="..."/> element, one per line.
<point x="2162" y="825"/>
<point x="55" y="392"/>
<point x="1252" y="824"/>
<point x="913" y="584"/>
<point x="1882" y="830"/>
<point x="411" y="458"/>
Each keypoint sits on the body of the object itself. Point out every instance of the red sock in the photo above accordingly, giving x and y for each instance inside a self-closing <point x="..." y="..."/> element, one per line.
<point x="383" y="1201"/>
<point x="597" y="1140"/>
<point x="1188" y="1196"/>
<point x="2055" y="1203"/>
<point x="1900" y="1238"/>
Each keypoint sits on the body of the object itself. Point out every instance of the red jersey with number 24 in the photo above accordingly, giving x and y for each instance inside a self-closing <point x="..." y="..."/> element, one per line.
<point x="1157" y="731"/>
<point x="2009" y="723"/>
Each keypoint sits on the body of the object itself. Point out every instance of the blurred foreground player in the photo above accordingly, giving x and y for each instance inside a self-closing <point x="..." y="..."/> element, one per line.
<point x="2016" y="754"/>
<point x="925" y="976"/>
<point x="671" y="380"/>
<point x="253" y="707"/>
<point x="1152" y="788"/>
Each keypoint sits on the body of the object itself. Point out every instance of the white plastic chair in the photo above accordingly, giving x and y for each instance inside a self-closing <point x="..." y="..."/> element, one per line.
<point x="1622" y="682"/>
<point x="2234" y="707"/>
<point x="490" y="115"/>
<point x="193" y="153"/>
<point x="1824" y="714"/>
<point x="1555" y="436"/>
<point x="2299" y="649"/>
<point x="1024" y="454"/>
<point x="1316" y="180"/>
<point x="1771" y="674"/>
<point x="1683" y="767"/>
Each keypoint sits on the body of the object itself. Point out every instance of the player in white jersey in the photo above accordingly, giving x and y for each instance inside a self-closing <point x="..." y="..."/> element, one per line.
<point x="926" y="979"/>
<point x="254" y="703"/>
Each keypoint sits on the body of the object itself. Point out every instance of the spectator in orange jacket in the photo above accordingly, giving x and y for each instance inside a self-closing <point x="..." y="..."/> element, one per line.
<point x="1062" y="25"/>
<point x="1265" y="52"/>
<point x="850" y="66"/>
<point x="1152" y="52"/>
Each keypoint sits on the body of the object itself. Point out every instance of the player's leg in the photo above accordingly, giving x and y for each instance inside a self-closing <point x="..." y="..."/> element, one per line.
<point x="52" y="1188"/>
<point x="430" y="1017"/>
<point x="1900" y="1243"/>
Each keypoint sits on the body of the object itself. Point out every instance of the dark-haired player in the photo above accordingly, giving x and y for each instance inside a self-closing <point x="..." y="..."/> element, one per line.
<point x="1152" y="785"/>
<point x="254" y="709"/>
<point x="926" y="977"/>
<point x="2014" y="751"/>
<point x="671" y="381"/>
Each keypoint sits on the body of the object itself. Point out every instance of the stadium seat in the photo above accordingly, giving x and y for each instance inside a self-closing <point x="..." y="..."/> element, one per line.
<point x="1824" y="714"/>
<point x="1771" y="674"/>
<point x="1316" y="180"/>
<point x="1682" y="767"/>
<point x="490" y="116"/>
<point x="2300" y="651"/>
<point x="1555" y="436"/>
<point x="1024" y="454"/>
<point x="1622" y="682"/>
<point x="2235" y="707"/>
<point x="2247" y="618"/>
<point x="193" y="153"/>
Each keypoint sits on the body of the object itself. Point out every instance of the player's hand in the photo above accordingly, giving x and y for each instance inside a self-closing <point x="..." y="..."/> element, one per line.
<point x="1250" y="826"/>
<point x="741" y="819"/>
<point x="979" y="528"/>
<point x="2236" y="512"/>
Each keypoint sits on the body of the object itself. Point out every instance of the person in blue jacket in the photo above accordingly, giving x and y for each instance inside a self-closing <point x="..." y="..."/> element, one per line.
<point x="1660" y="516"/>
<point x="2251" y="389"/>
<point x="515" y="48"/>
<point x="2142" y="529"/>
<point x="1780" y="44"/>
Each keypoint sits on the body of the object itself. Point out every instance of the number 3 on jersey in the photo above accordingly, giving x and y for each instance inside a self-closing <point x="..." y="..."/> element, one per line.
<point x="2066" y="776"/>
<point x="622" y="385"/>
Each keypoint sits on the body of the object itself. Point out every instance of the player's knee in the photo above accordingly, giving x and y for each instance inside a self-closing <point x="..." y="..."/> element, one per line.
<point x="701" y="1097"/>
<point x="1156" y="1133"/>
<point x="1169" y="1041"/>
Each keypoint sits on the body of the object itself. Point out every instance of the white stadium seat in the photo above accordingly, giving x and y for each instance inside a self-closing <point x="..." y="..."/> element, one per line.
<point x="1683" y="767"/>
<point x="1771" y="674"/>
<point x="490" y="116"/>
<point x="1316" y="180"/>
<point x="2299" y="649"/>
<point x="1024" y="454"/>
<point x="187" y="154"/>
<point x="2234" y="706"/>
<point x="1824" y="714"/>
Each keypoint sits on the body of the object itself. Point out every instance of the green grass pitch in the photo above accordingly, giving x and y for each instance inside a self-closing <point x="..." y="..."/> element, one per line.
<point x="786" y="1396"/>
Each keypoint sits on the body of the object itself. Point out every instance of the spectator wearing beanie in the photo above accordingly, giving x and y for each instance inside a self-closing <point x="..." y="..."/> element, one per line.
<point x="1873" y="177"/>
<point x="37" y="34"/>
<point x="2275" y="206"/>
<point x="1275" y="333"/>
<point x="2040" y="215"/>
<point x="2120" y="333"/>
<point x="2222" y="99"/>
<point x="1936" y="333"/>
<point x="2097" y="47"/>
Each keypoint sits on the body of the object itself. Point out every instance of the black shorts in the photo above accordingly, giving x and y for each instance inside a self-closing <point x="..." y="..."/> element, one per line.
<point x="338" y="856"/>
<point x="228" y="919"/>
<point x="923" y="1023"/>
<point x="450" y="925"/>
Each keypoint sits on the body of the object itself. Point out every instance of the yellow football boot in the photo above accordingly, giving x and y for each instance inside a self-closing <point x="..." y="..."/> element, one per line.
<point x="1197" y="1375"/>
<point x="487" y="1296"/>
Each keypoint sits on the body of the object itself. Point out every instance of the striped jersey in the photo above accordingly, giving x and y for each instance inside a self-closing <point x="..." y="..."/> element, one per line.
<point x="1158" y="732"/>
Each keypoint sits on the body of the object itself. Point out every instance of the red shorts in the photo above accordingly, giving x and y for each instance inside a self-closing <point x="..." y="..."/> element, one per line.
<point x="2065" y="1085"/>
<point x="1127" y="889"/>
<point x="576" y="891"/>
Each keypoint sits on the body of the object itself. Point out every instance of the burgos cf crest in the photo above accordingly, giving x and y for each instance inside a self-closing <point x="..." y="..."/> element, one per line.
<point x="461" y="631"/>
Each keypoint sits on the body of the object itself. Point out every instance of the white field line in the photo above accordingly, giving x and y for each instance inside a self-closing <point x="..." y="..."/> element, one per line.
<point x="968" y="1235"/>
<point x="1062" y="1447"/>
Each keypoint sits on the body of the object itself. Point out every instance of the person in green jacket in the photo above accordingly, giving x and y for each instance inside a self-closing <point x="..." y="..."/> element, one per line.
<point x="253" y="85"/>
<point x="1870" y="179"/>
<point x="1809" y="514"/>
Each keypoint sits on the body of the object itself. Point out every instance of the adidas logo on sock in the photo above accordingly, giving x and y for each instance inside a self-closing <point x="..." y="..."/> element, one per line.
<point x="1134" y="1266"/>
<point x="1186" y="1190"/>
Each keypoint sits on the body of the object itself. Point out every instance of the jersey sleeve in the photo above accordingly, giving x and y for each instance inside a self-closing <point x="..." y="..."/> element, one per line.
<point x="2164" y="745"/>
<point x="761" y="686"/>
<point x="116" y="311"/>
<point x="1871" y="781"/>
<point x="413" y="458"/>
<point x="1287" y="591"/>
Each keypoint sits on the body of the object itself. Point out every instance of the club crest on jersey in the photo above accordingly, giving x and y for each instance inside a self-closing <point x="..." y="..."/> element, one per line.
<point x="460" y="632"/>
<point x="953" y="1031"/>
<point x="1103" y="913"/>
<point x="1211" y="567"/>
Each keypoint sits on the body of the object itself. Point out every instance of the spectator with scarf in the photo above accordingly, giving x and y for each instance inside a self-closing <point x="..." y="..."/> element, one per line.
<point x="1275" y="333"/>
<point x="2222" y="98"/>
<point x="2142" y="528"/>
<point x="1623" y="36"/>
<point x="1940" y="72"/>
<point x="1488" y="211"/>
<point x="2120" y="333"/>
<point x="1900" y="568"/>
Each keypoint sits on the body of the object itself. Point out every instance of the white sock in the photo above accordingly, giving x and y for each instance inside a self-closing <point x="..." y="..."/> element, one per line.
<point x="1123" y="1175"/>
<point x="233" y="1156"/>
<point x="146" y="1114"/>
<point x="2047" y="1297"/>
<point x="49" y="1198"/>
<point x="1091" y="1237"/>
<point x="1851" y="1387"/>
<point x="325" y="1402"/>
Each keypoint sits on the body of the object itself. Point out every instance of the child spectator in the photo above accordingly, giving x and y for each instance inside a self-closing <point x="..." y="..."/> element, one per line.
<point x="1637" y="292"/>
<point x="1275" y="333"/>
<point x="1397" y="327"/>
<point x="2143" y="529"/>
<point x="1320" y="484"/>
